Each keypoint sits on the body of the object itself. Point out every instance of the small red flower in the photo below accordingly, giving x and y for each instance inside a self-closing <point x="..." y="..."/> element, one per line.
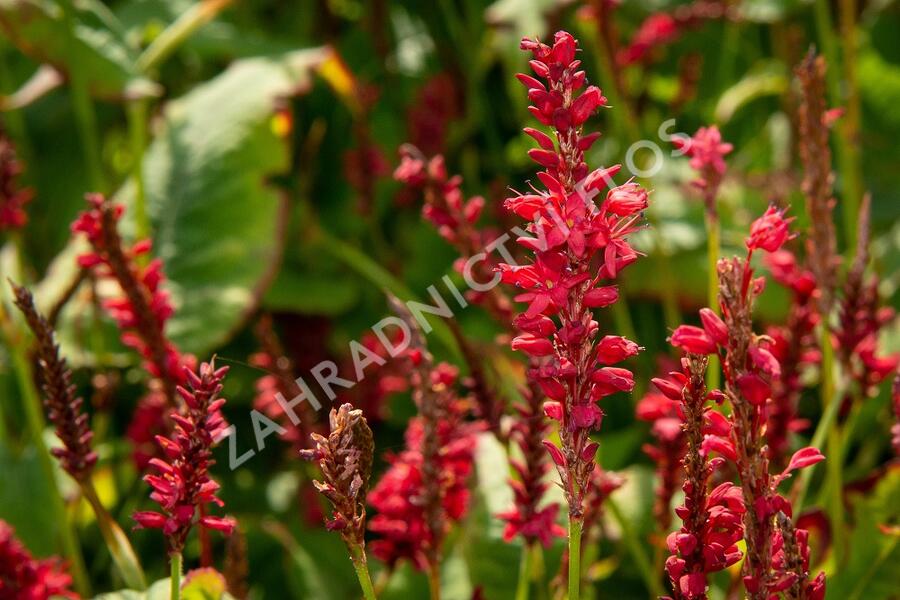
<point x="770" y="231"/>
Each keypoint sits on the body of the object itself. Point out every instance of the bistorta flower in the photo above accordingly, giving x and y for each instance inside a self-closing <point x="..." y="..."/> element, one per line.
<point x="182" y="486"/>
<point x="22" y="577"/>
<point x="570" y="230"/>
<point x="711" y="519"/>
<point x="750" y="369"/>
<point x="13" y="197"/>
<point x="345" y="459"/>
<point x="143" y="310"/>
<point x="64" y="409"/>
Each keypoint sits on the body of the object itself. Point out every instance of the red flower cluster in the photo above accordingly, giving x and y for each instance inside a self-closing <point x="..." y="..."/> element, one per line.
<point x="570" y="232"/>
<point x="148" y="421"/>
<point x="401" y="521"/>
<point x="437" y="103"/>
<point x="528" y="518"/>
<point x="795" y="347"/>
<point x="750" y="369"/>
<point x="708" y="545"/>
<point x="142" y="312"/>
<point x="790" y="561"/>
<point x="12" y="197"/>
<point x="22" y="577"/>
<point x="454" y="217"/>
<point x="661" y="29"/>
<point x="707" y="152"/>
<point x="707" y="540"/>
<point x="183" y="486"/>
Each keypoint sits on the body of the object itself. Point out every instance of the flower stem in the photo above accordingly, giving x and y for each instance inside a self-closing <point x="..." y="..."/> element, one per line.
<point x="126" y="561"/>
<point x="834" y="478"/>
<point x="574" y="558"/>
<point x="523" y="587"/>
<point x="175" y="578"/>
<point x="175" y="34"/>
<point x="713" y="229"/>
<point x="434" y="582"/>
<point x="358" y="557"/>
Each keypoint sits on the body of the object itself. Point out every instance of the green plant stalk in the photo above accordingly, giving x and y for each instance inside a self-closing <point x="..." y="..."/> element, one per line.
<point x="123" y="555"/>
<point x="434" y="582"/>
<point x="818" y="439"/>
<point x="848" y="160"/>
<point x="83" y="107"/>
<point x="174" y="35"/>
<point x="636" y="548"/>
<point x="849" y="125"/>
<point x="574" y="558"/>
<point x="358" y="557"/>
<point x="137" y="126"/>
<point x="834" y="479"/>
<point x="523" y="585"/>
<point x="35" y="417"/>
<point x="538" y="571"/>
<point x="175" y="577"/>
<point x="713" y="243"/>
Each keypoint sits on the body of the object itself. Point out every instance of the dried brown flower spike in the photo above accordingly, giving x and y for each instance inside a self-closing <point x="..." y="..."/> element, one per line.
<point x="64" y="409"/>
<point x="815" y="153"/>
<point x="345" y="457"/>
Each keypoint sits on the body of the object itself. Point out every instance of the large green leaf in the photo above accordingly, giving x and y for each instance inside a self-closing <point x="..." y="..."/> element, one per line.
<point x="217" y="223"/>
<point x="871" y="571"/>
<point x="93" y="41"/>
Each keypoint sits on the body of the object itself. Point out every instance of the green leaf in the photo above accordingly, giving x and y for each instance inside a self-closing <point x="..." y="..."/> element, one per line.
<point x="96" y="44"/>
<point x="769" y="79"/>
<point x="871" y="570"/>
<point x="25" y="500"/>
<point x="311" y="293"/>
<point x="217" y="223"/>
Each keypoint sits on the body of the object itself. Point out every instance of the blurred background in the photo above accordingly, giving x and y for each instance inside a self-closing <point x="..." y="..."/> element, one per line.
<point x="260" y="139"/>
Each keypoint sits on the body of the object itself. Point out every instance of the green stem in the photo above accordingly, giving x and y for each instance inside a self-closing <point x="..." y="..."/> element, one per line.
<point x="848" y="127"/>
<point x="523" y="587"/>
<point x="834" y="477"/>
<point x="434" y="582"/>
<point x="198" y="15"/>
<point x="832" y="396"/>
<point x="714" y="232"/>
<point x="175" y="577"/>
<point x="123" y="555"/>
<point x="35" y="417"/>
<point x="636" y="548"/>
<point x="574" y="558"/>
<point x="137" y="117"/>
<point x="85" y="117"/>
<point x="358" y="557"/>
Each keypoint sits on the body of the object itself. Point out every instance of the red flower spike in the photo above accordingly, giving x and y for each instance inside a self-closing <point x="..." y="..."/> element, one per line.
<point x="22" y="577"/>
<point x="183" y="486"/>
<point x="142" y="312"/>
<point x="13" y="198"/>
<point x="711" y="520"/>
<point x="569" y="233"/>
